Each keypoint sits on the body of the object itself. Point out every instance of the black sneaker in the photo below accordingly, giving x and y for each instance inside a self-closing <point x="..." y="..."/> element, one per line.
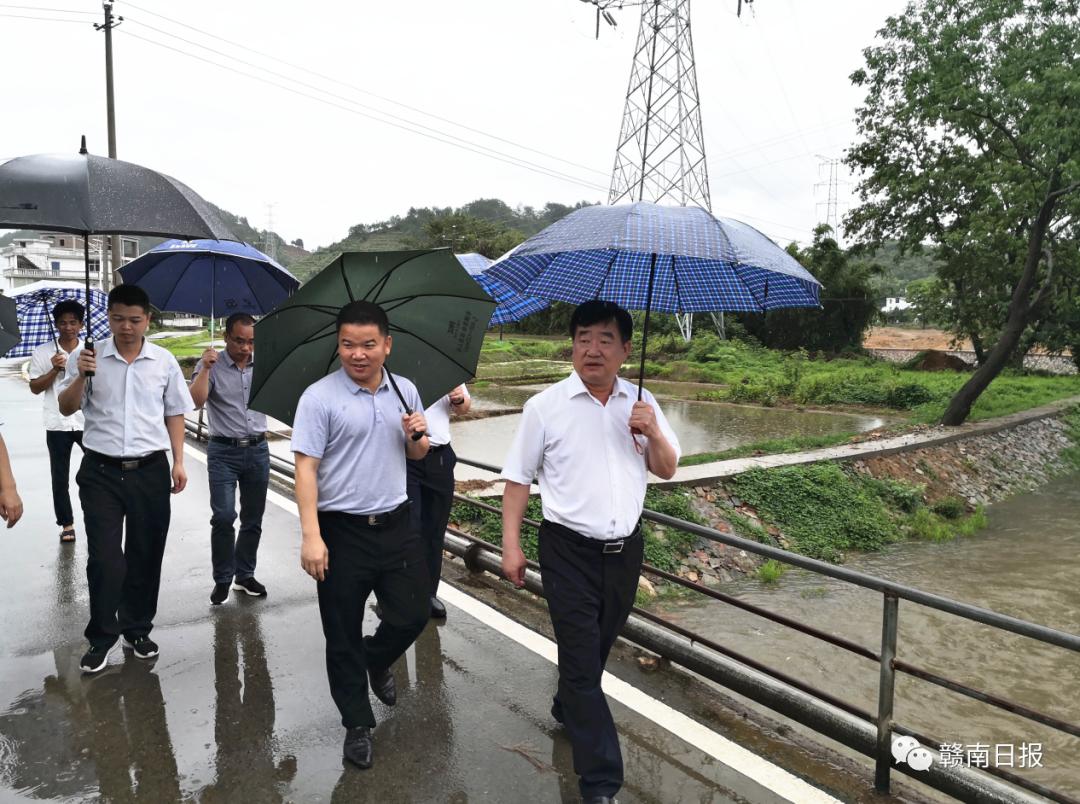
<point x="96" y="659"/>
<point x="357" y="748"/>
<point x="250" y="586"/>
<point x="220" y="594"/>
<point x="143" y="647"/>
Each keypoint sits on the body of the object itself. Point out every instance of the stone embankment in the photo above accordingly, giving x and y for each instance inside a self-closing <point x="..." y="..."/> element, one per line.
<point x="1055" y="364"/>
<point x="990" y="462"/>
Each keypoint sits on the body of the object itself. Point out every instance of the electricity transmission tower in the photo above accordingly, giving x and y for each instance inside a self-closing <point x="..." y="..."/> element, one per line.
<point x="831" y="166"/>
<point x="660" y="155"/>
<point x="269" y="241"/>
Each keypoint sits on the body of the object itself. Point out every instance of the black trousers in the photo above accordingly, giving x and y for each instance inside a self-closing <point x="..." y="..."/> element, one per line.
<point x="390" y="562"/>
<point x="589" y="595"/>
<point x="127" y="519"/>
<point x="60" y="443"/>
<point x="431" y="492"/>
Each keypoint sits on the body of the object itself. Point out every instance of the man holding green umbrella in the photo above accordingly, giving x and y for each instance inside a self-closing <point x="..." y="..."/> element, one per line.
<point x="352" y="433"/>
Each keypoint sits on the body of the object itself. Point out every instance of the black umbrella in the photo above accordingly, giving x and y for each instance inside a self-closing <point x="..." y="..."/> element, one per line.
<point x="87" y="194"/>
<point x="9" y="324"/>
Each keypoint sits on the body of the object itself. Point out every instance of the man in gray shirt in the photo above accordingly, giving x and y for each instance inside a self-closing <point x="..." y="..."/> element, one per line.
<point x="237" y="455"/>
<point x="134" y="414"/>
<point x="351" y="435"/>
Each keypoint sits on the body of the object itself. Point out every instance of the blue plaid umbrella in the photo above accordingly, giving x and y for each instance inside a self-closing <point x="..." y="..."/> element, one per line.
<point x="511" y="306"/>
<point x="649" y="257"/>
<point x="34" y="304"/>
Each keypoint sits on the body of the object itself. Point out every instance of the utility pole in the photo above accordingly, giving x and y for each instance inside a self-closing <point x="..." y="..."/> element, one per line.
<point x="111" y="276"/>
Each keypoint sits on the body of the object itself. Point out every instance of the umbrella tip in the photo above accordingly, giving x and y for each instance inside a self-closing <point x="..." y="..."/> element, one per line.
<point x="82" y="149"/>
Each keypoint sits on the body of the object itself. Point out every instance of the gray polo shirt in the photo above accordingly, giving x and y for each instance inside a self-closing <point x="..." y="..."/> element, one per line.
<point x="358" y="438"/>
<point x="125" y="416"/>
<point x="227" y="404"/>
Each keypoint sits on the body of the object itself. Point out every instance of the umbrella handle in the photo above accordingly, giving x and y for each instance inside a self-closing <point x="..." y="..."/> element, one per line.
<point x="408" y="411"/>
<point x="88" y="344"/>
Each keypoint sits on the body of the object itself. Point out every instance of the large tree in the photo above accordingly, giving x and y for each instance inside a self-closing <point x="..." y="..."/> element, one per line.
<point x="970" y="140"/>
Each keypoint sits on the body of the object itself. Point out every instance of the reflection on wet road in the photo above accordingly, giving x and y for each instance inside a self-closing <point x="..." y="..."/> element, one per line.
<point x="236" y="707"/>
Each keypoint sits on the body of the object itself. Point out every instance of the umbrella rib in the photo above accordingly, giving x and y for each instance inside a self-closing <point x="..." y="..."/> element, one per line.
<point x="345" y="279"/>
<point x="179" y="277"/>
<point x="381" y="283"/>
<point x="318" y="308"/>
<point x="406" y="299"/>
<point x="432" y="346"/>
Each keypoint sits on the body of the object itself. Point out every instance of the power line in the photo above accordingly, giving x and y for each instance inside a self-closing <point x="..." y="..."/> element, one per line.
<point x="510" y="160"/>
<point x="43" y="19"/>
<point x="356" y="88"/>
<point x="373" y="109"/>
<point x="43" y="8"/>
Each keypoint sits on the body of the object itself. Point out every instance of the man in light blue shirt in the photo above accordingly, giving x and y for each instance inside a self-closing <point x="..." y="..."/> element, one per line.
<point x="237" y="456"/>
<point x="133" y="415"/>
<point x="351" y="435"/>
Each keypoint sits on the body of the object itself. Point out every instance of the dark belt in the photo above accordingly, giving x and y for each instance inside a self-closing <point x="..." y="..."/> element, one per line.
<point x="437" y="448"/>
<point x="603" y="545"/>
<point x="390" y="518"/>
<point x="125" y="464"/>
<point x="247" y="441"/>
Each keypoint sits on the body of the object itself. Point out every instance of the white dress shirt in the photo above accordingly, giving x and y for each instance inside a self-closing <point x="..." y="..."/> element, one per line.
<point x="438" y="420"/>
<point x="592" y="478"/>
<point x="125" y="416"/>
<point x="40" y="365"/>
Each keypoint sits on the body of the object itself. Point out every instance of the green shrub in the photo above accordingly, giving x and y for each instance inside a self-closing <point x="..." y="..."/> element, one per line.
<point x="906" y="497"/>
<point x="949" y="507"/>
<point x="770" y="571"/>
<point x="907" y="396"/>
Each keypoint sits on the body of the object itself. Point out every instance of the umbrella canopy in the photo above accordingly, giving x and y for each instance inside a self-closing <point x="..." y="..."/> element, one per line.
<point x="649" y="257"/>
<point x="89" y="194"/>
<point x="210" y="277"/>
<point x="437" y="314"/>
<point x="35" y="303"/>
<point x="510" y="305"/>
<point x="9" y="324"/>
<point x="83" y="193"/>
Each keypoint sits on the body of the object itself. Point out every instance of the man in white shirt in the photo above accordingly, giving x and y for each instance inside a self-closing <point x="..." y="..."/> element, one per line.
<point x="431" y="485"/>
<point x="62" y="433"/>
<point x="134" y="414"/>
<point x="590" y="445"/>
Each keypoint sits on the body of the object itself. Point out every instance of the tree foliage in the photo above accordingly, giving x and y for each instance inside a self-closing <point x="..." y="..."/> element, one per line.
<point x="970" y="141"/>
<point x="848" y="303"/>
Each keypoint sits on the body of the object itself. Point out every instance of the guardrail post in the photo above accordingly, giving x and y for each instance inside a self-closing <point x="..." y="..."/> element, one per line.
<point x="889" y="618"/>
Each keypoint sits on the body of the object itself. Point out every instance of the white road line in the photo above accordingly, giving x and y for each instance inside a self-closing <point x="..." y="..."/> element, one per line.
<point x="739" y="759"/>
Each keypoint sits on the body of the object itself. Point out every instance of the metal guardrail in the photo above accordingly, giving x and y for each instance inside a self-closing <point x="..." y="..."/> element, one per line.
<point x="961" y="782"/>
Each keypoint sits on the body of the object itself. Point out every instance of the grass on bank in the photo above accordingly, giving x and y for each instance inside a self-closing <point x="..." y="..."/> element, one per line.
<point x="826" y="509"/>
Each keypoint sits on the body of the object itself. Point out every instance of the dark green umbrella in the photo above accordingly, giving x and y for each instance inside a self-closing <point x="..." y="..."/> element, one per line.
<point x="9" y="324"/>
<point x="438" y="315"/>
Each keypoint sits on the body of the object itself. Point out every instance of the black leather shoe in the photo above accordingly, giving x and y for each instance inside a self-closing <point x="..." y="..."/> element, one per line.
<point x="438" y="610"/>
<point x="556" y="711"/>
<point x="357" y="748"/>
<point x="382" y="684"/>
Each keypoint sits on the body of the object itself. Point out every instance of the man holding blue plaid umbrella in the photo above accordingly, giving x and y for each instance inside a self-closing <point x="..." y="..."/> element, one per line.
<point x="590" y="441"/>
<point x="47" y="364"/>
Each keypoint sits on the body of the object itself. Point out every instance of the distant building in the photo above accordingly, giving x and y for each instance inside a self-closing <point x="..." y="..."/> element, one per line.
<point x="56" y="255"/>
<point x="893" y="305"/>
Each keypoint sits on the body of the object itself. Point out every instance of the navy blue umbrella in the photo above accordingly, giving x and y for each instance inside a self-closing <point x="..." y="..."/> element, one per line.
<point x="648" y="257"/>
<point x="210" y="277"/>
<point x="510" y="305"/>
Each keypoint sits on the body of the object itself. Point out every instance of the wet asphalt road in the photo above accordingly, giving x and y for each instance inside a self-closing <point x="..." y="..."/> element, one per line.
<point x="237" y="708"/>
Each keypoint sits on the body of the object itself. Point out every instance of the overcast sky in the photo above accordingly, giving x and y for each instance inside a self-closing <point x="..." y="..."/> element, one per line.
<point x="774" y="90"/>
